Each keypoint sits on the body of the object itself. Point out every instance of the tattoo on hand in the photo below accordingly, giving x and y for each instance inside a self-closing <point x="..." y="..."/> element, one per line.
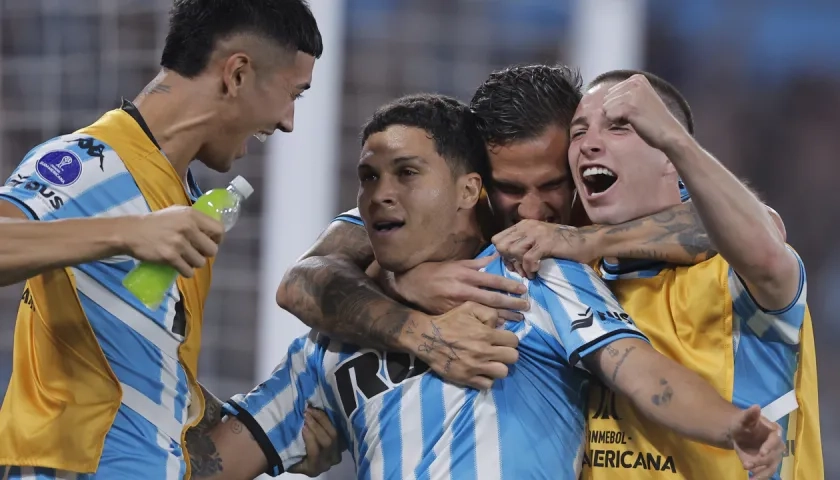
<point x="436" y="342"/>
<point x="664" y="398"/>
<point x="620" y="361"/>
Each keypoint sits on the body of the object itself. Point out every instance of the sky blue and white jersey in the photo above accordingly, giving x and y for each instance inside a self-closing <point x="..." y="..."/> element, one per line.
<point x="77" y="176"/>
<point x="400" y="420"/>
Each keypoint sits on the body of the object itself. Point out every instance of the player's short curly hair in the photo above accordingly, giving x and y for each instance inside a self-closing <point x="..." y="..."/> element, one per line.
<point x="195" y="27"/>
<point x="449" y="123"/>
<point x="520" y="102"/>
<point x="676" y="102"/>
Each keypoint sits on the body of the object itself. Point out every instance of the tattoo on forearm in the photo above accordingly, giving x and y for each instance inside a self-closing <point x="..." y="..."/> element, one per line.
<point x="333" y="294"/>
<point x="677" y="229"/>
<point x="663" y="398"/>
<point x="620" y="360"/>
<point x="205" y="460"/>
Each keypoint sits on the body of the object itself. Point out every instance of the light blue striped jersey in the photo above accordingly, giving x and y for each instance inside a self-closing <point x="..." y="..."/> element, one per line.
<point x="77" y="176"/>
<point x="400" y="420"/>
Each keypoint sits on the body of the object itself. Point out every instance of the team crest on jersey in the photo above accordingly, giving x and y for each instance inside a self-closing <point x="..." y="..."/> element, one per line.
<point x="60" y="168"/>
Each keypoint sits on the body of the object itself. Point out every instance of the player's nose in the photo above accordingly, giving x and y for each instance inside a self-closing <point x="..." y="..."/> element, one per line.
<point x="287" y="122"/>
<point x="533" y="208"/>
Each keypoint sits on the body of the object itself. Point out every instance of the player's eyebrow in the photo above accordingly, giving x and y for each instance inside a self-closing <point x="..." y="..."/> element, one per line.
<point x="582" y="121"/>
<point x="408" y="158"/>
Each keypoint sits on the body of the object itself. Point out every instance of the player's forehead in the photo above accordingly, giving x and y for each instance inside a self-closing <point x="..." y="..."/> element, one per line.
<point x="398" y="143"/>
<point x="590" y="108"/>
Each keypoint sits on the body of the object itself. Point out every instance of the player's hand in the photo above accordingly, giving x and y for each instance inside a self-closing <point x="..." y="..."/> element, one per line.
<point x="323" y="445"/>
<point x="179" y="236"/>
<point x="464" y="347"/>
<point x="523" y="245"/>
<point x="634" y="101"/>
<point x="758" y="442"/>
<point x="438" y="287"/>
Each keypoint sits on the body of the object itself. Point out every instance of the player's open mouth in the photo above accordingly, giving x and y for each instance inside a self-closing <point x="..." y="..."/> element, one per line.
<point x="597" y="180"/>
<point x="388" y="226"/>
<point x="262" y="135"/>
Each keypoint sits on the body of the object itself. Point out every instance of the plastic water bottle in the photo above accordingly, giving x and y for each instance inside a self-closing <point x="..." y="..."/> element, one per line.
<point x="150" y="282"/>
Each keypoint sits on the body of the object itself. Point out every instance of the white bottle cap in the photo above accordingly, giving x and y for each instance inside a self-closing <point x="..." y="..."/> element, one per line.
<point x="242" y="186"/>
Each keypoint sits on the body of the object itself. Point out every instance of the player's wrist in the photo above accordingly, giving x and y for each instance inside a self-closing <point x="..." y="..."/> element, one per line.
<point x="677" y="144"/>
<point x="410" y="337"/>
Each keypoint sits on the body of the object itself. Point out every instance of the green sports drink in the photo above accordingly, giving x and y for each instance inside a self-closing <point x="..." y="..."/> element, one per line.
<point x="150" y="282"/>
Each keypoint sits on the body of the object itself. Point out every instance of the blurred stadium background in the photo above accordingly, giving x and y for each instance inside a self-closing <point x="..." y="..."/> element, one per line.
<point x="763" y="77"/>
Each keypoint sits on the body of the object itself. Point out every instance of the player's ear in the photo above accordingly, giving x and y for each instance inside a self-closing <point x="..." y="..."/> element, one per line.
<point x="469" y="186"/>
<point x="235" y="70"/>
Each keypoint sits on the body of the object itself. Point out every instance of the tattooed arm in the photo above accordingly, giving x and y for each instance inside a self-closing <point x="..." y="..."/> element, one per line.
<point x="329" y="291"/>
<point x="674" y="235"/>
<point x="664" y="391"/>
<point x="205" y="461"/>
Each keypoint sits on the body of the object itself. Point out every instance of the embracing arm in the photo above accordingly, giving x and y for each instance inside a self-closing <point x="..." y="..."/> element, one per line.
<point x="674" y="235"/>
<point x="328" y="290"/>
<point x="205" y="459"/>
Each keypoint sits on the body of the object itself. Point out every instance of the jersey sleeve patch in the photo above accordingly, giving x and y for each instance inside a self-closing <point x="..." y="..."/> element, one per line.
<point x="584" y="315"/>
<point x="72" y="169"/>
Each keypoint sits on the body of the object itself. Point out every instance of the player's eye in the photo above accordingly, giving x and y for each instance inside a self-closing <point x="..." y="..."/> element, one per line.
<point x="578" y="133"/>
<point x="408" y="172"/>
<point x="367" y="177"/>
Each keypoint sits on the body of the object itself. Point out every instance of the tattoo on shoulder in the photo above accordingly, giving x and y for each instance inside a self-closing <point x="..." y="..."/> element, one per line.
<point x="663" y="398"/>
<point x="621" y="360"/>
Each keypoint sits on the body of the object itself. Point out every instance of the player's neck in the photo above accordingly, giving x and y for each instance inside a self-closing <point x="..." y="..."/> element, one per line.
<point x="176" y="117"/>
<point x="466" y="240"/>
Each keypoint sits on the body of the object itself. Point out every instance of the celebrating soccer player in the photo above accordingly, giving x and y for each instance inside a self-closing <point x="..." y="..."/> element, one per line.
<point x="101" y="384"/>
<point x="419" y="185"/>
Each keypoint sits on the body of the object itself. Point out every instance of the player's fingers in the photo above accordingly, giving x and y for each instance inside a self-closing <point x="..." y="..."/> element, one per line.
<point x="750" y="417"/>
<point x="479" y="263"/>
<point x="504" y="338"/>
<point x="493" y="370"/>
<point x="321" y="435"/>
<point x="310" y="442"/>
<point x="506" y="355"/>
<point x="495" y="300"/>
<point x="204" y="245"/>
<point x="323" y="420"/>
<point x="508" y="315"/>
<point x="178" y="263"/>
<point x="210" y="226"/>
<point x="193" y="257"/>
<point x="496" y="282"/>
<point x="532" y="258"/>
<point x="480" y="382"/>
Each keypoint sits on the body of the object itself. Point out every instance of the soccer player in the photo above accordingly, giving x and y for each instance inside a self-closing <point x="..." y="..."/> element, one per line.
<point x="525" y="116"/>
<point x="101" y="385"/>
<point x="419" y="184"/>
<point x="739" y="319"/>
